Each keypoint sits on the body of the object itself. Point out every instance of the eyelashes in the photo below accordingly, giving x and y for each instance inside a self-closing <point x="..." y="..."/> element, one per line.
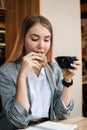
<point x="34" y="39"/>
<point x="45" y="40"/>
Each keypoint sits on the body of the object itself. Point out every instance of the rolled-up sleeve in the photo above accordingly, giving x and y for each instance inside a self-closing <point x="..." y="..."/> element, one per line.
<point x="18" y="115"/>
<point x="60" y="111"/>
<point x="14" y="111"/>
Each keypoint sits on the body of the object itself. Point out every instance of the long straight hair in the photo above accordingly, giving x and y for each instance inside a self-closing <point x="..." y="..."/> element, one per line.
<point x="18" y="50"/>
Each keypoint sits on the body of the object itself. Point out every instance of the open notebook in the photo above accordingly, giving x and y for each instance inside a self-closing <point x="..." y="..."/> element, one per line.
<point x="49" y="125"/>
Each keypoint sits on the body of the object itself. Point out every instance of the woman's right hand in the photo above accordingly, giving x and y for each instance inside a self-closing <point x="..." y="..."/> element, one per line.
<point x="29" y="61"/>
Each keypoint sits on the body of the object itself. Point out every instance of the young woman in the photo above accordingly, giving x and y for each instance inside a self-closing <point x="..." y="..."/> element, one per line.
<point x="32" y="92"/>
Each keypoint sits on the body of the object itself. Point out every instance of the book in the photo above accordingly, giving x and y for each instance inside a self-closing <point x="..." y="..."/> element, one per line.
<point x="50" y="125"/>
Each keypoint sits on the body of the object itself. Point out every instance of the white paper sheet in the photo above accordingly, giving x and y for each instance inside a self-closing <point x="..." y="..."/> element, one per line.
<point x="49" y="125"/>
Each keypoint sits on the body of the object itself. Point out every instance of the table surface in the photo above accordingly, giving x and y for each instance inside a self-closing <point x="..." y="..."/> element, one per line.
<point x="80" y="121"/>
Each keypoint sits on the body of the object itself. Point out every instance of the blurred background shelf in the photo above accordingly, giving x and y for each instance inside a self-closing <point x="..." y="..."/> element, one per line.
<point x="2" y="36"/>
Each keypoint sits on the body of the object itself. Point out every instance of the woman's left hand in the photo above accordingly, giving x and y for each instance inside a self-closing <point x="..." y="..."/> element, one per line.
<point x="69" y="73"/>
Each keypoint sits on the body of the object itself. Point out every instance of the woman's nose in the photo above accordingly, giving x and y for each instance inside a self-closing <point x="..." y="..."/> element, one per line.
<point x="41" y="44"/>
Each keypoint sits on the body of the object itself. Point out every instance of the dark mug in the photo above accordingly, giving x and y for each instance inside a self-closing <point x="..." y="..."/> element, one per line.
<point x="65" y="61"/>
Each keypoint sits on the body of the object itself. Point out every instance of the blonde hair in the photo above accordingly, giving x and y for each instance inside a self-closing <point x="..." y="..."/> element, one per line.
<point x="18" y="50"/>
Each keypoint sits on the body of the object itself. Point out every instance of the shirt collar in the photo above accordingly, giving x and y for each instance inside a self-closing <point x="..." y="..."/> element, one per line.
<point x="42" y="72"/>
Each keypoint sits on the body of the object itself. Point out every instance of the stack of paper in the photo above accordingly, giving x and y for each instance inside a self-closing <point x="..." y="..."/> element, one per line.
<point x="49" y="125"/>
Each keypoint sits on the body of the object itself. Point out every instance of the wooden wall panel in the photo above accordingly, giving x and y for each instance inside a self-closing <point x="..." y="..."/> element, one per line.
<point x="16" y="11"/>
